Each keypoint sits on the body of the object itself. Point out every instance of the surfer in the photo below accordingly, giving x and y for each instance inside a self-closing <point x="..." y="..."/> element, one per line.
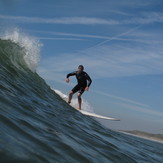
<point x="82" y="78"/>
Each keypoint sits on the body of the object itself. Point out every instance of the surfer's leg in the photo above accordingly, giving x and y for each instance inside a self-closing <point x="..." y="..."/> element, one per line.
<point x="70" y="97"/>
<point x="79" y="96"/>
<point x="79" y="101"/>
<point x="74" y="90"/>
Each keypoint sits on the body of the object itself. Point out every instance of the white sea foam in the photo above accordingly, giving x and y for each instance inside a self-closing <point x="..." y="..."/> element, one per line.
<point x="74" y="103"/>
<point x="30" y="44"/>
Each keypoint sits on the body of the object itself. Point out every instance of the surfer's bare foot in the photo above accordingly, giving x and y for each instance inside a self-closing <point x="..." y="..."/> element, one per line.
<point x="79" y="108"/>
<point x="69" y="102"/>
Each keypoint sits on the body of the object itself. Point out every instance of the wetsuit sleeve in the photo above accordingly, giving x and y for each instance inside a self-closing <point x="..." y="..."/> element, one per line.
<point x="71" y="74"/>
<point x="89" y="79"/>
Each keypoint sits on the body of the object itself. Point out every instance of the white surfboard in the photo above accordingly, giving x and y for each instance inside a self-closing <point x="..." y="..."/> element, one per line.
<point x="98" y="116"/>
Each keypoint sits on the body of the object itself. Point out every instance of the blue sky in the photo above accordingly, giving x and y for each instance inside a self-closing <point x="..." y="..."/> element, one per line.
<point x="120" y="43"/>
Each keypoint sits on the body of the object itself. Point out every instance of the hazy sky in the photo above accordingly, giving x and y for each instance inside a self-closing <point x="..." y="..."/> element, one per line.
<point x="120" y="43"/>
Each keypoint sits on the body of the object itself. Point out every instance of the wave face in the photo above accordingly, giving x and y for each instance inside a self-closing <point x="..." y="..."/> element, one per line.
<point x="36" y="125"/>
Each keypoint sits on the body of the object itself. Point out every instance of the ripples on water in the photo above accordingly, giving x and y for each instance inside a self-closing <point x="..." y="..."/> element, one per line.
<point x="36" y="125"/>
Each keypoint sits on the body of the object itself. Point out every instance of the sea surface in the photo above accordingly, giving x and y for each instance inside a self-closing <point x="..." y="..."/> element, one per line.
<point x="38" y="126"/>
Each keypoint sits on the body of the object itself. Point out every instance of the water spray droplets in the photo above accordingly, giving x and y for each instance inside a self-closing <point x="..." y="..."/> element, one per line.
<point x="30" y="45"/>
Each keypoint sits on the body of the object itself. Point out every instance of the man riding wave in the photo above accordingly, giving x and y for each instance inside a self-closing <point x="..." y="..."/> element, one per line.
<point x="82" y="85"/>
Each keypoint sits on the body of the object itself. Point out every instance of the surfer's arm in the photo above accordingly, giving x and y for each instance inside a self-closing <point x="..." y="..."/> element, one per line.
<point x="89" y="80"/>
<point x="71" y="74"/>
<point x="68" y="75"/>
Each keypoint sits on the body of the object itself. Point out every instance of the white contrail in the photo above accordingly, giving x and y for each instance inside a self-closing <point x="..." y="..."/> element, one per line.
<point x="62" y="20"/>
<point x="115" y="37"/>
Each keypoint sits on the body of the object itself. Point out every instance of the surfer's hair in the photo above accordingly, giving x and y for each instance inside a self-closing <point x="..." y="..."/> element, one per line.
<point x="81" y="66"/>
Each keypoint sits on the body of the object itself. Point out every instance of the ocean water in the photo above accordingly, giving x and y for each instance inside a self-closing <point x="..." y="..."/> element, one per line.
<point x="37" y="125"/>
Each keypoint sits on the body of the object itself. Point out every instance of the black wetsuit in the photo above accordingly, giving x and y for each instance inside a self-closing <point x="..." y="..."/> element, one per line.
<point x="82" y="81"/>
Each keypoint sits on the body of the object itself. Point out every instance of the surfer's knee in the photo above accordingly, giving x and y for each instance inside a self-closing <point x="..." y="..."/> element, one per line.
<point x="79" y="95"/>
<point x="71" y="93"/>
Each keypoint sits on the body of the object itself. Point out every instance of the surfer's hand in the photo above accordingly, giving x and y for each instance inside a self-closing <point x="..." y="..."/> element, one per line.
<point x="86" y="89"/>
<point x="67" y="80"/>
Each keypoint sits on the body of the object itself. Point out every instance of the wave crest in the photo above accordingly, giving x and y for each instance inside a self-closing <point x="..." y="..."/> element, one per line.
<point x="31" y="46"/>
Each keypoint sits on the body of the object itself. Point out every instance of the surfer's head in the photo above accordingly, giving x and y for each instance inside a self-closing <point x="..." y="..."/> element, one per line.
<point x="80" y="68"/>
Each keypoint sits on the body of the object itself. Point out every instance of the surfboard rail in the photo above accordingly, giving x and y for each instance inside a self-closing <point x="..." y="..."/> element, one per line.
<point x="98" y="116"/>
